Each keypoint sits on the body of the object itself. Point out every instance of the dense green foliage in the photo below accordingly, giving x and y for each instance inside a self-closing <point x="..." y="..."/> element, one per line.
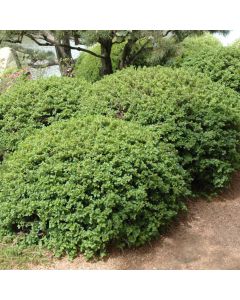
<point x="84" y="184"/>
<point x="199" y="117"/>
<point x="236" y="43"/>
<point x="221" y="64"/>
<point x="196" y="43"/>
<point x="35" y="104"/>
<point x="88" y="66"/>
<point x="91" y="162"/>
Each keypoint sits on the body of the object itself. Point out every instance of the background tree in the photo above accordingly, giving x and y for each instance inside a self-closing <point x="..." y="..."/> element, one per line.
<point x="62" y="40"/>
<point x="148" y="47"/>
<point x="137" y="43"/>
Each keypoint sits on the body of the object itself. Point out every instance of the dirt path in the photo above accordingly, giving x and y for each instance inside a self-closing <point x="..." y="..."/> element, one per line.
<point x="208" y="238"/>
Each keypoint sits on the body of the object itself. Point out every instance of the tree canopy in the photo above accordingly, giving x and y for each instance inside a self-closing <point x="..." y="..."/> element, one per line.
<point x="161" y="43"/>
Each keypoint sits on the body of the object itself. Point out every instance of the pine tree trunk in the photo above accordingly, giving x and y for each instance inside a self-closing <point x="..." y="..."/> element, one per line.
<point x="126" y="55"/>
<point x="64" y="57"/>
<point x="106" y="62"/>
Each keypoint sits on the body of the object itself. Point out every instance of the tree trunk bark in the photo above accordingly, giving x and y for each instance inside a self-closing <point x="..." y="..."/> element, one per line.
<point x="106" y="62"/>
<point x="64" y="57"/>
<point x="126" y="55"/>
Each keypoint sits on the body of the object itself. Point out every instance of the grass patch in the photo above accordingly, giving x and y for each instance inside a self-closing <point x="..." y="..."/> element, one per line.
<point x="13" y="256"/>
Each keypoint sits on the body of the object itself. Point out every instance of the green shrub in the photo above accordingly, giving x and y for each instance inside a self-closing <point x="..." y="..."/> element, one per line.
<point x="84" y="184"/>
<point x="221" y="64"/>
<point x="236" y="43"/>
<point x="198" y="116"/>
<point x="88" y="66"/>
<point x="196" y="43"/>
<point x="35" y="104"/>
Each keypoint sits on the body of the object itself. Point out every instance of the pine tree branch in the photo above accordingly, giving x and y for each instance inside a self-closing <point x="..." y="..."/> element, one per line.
<point x="139" y="52"/>
<point x="54" y="43"/>
<point x="36" y="41"/>
<point x="167" y="33"/>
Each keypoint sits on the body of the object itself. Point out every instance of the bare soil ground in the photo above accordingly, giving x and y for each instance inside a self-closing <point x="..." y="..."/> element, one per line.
<point x="208" y="237"/>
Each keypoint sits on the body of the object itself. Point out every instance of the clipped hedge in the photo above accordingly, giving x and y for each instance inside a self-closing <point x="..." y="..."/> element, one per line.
<point x="35" y="104"/>
<point x="221" y="64"/>
<point x="195" y="43"/>
<point x="84" y="184"/>
<point x="199" y="117"/>
<point x="88" y="66"/>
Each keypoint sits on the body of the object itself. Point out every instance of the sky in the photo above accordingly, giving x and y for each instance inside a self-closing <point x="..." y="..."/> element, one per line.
<point x="231" y="37"/>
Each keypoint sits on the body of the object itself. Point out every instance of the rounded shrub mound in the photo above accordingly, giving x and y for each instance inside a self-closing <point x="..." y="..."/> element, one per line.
<point x="84" y="184"/>
<point x="199" y="117"/>
<point x="35" y="104"/>
<point x="88" y="66"/>
<point x="195" y="43"/>
<point x="221" y="64"/>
